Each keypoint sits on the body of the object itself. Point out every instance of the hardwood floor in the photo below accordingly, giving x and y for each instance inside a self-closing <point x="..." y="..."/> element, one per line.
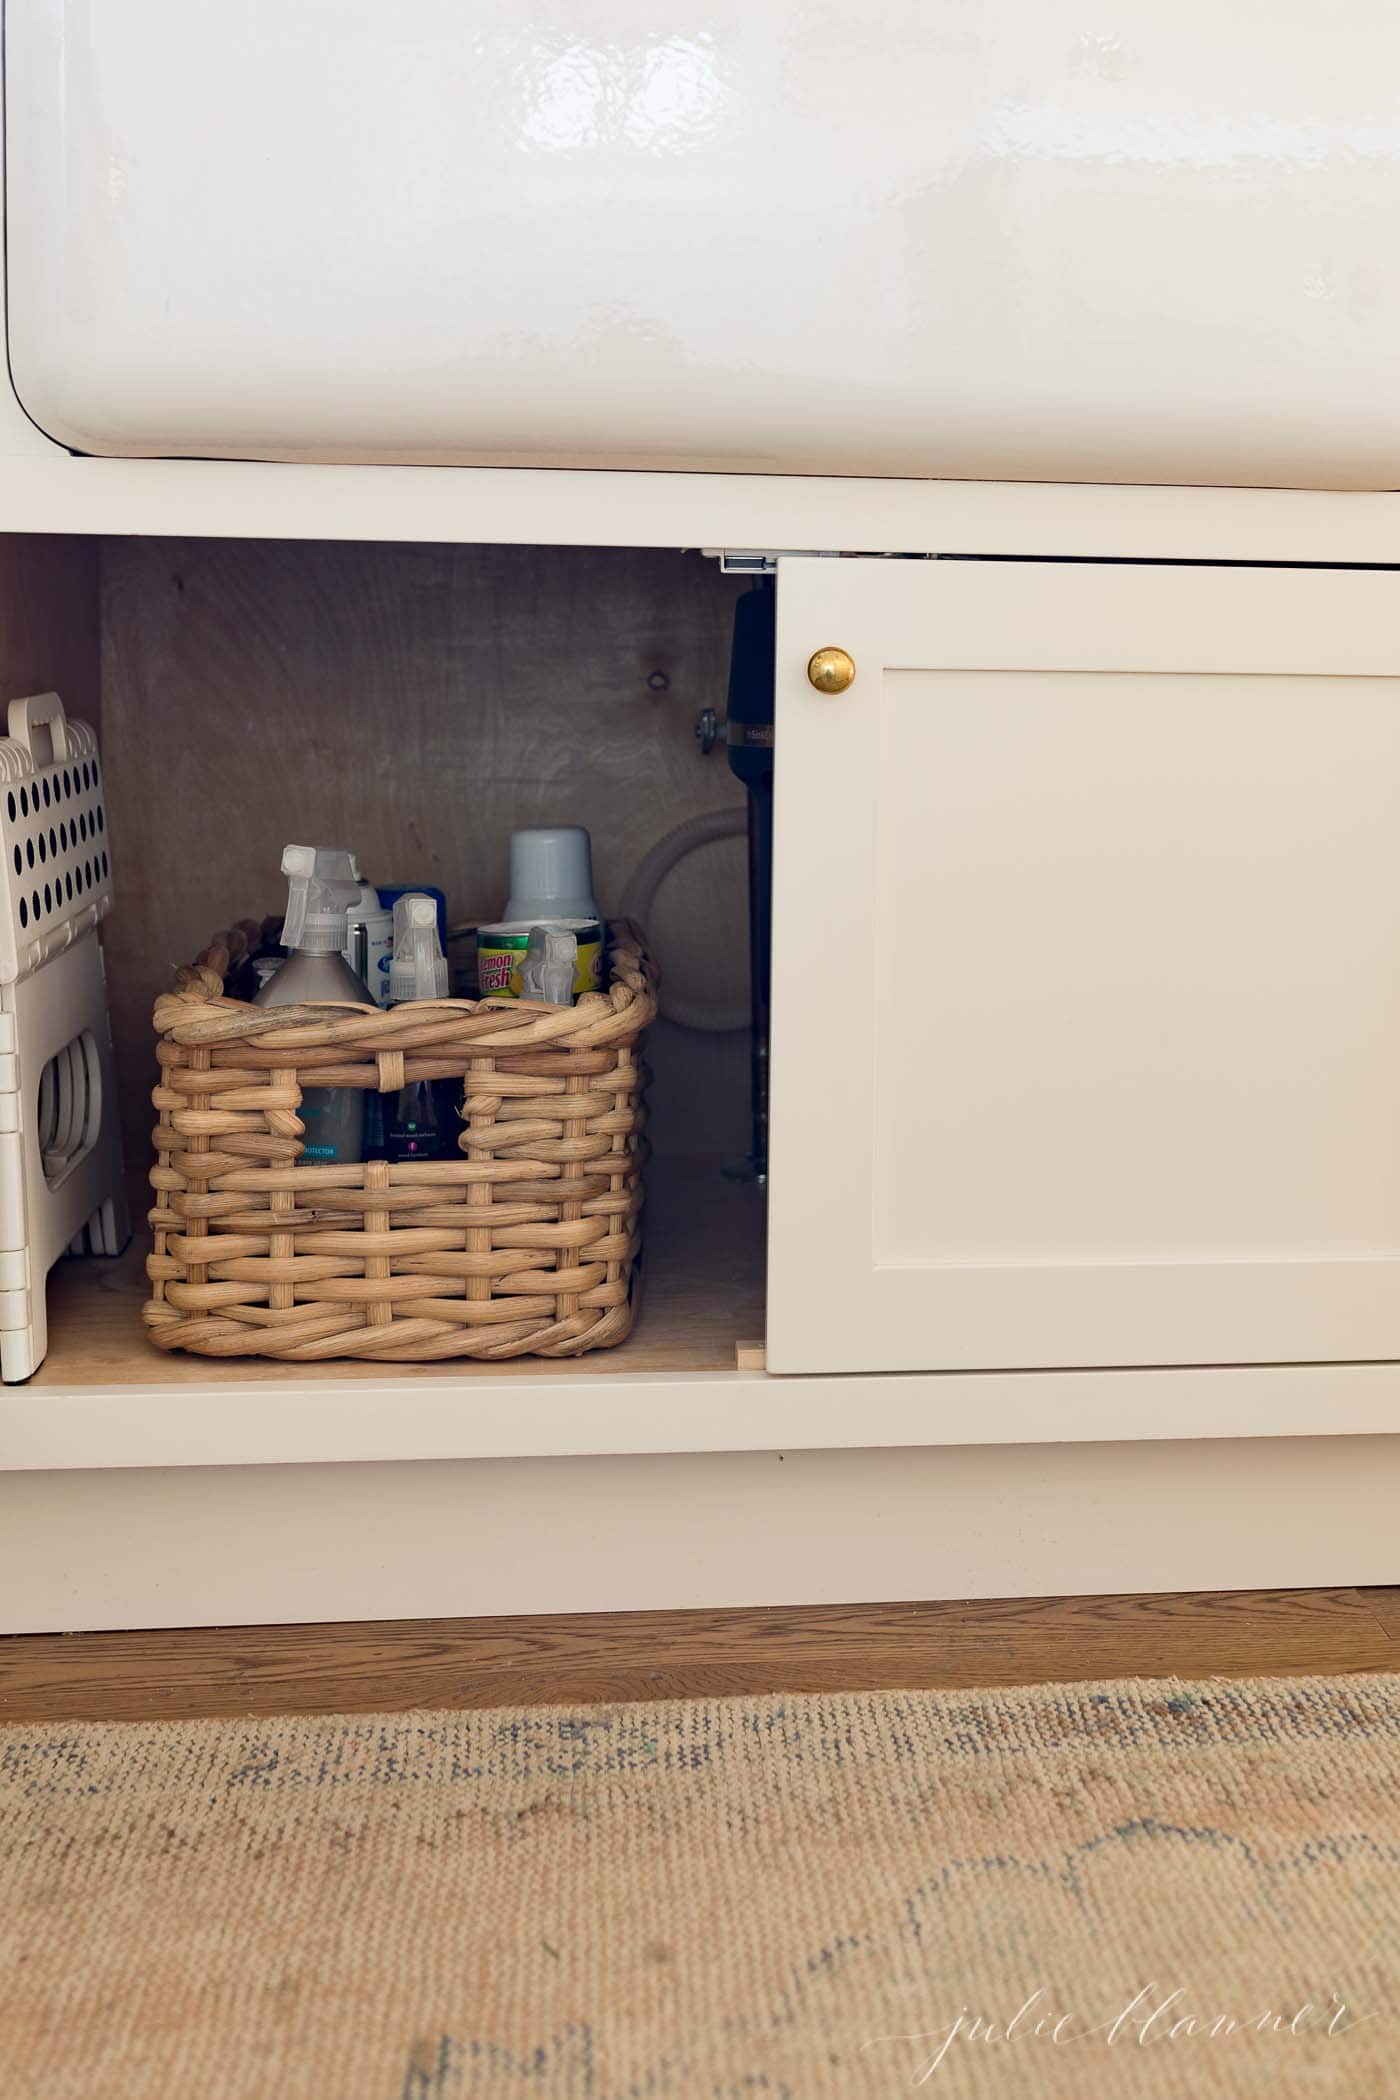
<point x="594" y="1659"/>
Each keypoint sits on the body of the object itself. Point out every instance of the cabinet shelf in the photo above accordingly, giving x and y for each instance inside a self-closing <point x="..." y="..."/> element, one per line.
<point x="702" y="1297"/>
<point x="106" y="1399"/>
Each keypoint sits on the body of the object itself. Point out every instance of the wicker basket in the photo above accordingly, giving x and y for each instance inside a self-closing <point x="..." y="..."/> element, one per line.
<point x="527" y="1245"/>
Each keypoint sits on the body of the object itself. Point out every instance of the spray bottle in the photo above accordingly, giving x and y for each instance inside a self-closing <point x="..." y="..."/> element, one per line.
<point x="422" y="1120"/>
<point x="370" y="948"/>
<point x="321" y="891"/>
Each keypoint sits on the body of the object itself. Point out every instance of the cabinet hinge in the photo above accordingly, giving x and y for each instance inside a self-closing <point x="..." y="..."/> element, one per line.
<point x="755" y="561"/>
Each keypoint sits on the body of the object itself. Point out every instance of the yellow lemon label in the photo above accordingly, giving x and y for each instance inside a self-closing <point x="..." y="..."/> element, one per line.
<point x="500" y="951"/>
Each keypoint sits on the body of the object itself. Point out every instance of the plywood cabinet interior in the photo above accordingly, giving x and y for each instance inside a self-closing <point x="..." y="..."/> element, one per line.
<point x="416" y="703"/>
<point x="49" y="620"/>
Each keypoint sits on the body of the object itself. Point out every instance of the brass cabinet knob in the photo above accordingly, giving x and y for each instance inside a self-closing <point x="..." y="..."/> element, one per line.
<point x="831" y="670"/>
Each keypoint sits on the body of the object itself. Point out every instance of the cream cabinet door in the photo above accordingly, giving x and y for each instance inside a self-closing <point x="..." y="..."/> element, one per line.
<point x="1086" y="998"/>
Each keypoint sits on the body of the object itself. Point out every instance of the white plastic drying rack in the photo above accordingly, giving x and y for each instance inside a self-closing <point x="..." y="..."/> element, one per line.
<point x="61" y="1187"/>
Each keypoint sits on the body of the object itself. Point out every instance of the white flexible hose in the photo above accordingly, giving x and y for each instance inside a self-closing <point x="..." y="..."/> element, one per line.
<point x="709" y="1016"/>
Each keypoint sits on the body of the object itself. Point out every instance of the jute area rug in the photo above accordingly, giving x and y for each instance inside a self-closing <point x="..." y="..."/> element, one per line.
<point x="1135" y="1889"/>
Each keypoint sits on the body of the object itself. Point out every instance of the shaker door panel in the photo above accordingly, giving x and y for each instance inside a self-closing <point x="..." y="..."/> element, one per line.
<point x="1086" y="1004"/>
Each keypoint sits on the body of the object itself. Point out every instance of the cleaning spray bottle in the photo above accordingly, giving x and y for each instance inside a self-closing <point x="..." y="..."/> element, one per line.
<point x="370" y="948"/>
<point x="321" y="891"/>
<point x="422" y="1120"/>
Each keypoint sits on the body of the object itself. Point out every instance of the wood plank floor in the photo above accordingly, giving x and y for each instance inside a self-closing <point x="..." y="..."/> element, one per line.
<point x="594" y="1659"/>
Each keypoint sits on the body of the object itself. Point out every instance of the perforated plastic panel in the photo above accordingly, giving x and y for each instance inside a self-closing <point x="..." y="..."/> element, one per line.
<point x="60" y="1160"/>
<point x="56" y="859"/>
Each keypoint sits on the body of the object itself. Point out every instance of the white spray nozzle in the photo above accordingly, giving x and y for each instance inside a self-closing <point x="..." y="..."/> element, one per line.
<point x="419" y="968"/>
<point x="321" y="888"/>
<point x="547" y="972"/>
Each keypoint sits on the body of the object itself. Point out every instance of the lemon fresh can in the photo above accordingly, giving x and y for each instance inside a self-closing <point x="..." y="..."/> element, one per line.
<point x="500" y="950"/>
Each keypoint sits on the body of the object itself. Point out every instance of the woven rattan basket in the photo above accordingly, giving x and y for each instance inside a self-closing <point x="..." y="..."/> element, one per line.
<point x="527" y="1245"/>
